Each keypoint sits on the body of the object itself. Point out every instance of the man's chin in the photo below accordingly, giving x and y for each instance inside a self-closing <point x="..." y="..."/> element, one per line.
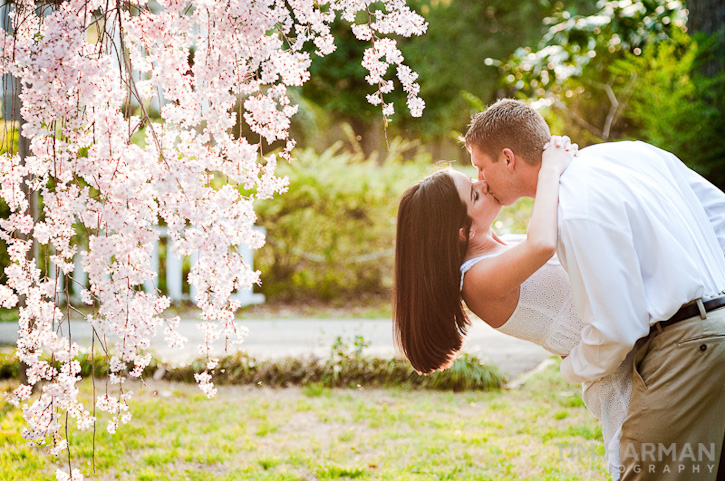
<point x="508" y="201"/>
<point x="500" y="202"/>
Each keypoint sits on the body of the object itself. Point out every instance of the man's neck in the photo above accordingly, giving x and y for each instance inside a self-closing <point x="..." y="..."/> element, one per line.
<point x="529" y="180"/>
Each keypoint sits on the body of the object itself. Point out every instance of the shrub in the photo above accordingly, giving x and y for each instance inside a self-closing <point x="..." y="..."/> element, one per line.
<point x="332" y="234"/>
<point x="345" y="370"/>
<point x="9" y="365"/>
<point x="630" y="70"/>
<point x="676" y="107"/>
<point x="347" y="367"/>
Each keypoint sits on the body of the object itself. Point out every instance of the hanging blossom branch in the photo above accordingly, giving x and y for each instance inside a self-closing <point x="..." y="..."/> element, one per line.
<point x="106" y="171"/>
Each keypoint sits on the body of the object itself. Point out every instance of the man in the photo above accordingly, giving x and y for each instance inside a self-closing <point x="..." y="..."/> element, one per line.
<point x="642" y="238"/>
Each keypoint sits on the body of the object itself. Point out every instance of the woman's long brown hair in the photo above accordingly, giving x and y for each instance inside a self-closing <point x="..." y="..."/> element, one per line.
<point x="428" y="316"/>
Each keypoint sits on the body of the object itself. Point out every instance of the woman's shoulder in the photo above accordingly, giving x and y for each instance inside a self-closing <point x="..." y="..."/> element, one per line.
<point x="472" y="261"/>
<point x="469" y="263"/>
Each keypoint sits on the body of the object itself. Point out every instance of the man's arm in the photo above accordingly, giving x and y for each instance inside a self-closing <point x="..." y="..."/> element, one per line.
<point x="608" y="293"/>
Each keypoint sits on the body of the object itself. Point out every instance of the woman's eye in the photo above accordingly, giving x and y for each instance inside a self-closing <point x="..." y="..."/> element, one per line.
<point x="475" y="195"/>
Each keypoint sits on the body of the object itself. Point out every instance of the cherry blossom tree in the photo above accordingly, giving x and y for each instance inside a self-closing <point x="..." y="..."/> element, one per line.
<point x="105" y="169"/>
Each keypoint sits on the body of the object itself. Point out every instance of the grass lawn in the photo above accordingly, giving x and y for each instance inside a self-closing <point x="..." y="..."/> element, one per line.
<point x="540" y="431"/>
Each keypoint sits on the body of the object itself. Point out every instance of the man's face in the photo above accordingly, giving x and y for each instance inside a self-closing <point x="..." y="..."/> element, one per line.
<point x="498" y="176"/>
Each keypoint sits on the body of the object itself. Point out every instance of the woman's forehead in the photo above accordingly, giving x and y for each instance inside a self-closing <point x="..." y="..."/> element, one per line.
<point x="458" y="176"/>
<point x="462" y="182"/>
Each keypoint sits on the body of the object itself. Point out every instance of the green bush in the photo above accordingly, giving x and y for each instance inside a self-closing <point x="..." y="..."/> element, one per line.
<point x="628" y="72"/>
<point x="346" y="367"/>
<point x="450" y="60"/>
<point x="332" y="234"/>
<point x="570" y="67"/>
<point x="8" y="315"/>
<point x="675" y="107"/>
<point x="9" y="365"/>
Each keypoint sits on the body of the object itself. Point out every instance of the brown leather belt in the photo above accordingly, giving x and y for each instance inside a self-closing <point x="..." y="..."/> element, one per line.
<point x="691" y="310"/>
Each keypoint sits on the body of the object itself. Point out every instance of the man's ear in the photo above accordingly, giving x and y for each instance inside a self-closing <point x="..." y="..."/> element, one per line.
<point x="509" y="159"/>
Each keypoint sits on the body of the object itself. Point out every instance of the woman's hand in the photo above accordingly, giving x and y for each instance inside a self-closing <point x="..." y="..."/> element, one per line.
<point x="558" y="153"/>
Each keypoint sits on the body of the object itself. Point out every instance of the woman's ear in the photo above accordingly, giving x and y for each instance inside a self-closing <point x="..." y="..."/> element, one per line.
<point x="465" y="234"/>
<point x="462" y="234"/>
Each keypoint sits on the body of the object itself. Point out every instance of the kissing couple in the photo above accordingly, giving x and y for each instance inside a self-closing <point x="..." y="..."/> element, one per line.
<point x="621" y="273"/>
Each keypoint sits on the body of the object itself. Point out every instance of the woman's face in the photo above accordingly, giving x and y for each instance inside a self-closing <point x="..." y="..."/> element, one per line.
<point x="482" y="206"/>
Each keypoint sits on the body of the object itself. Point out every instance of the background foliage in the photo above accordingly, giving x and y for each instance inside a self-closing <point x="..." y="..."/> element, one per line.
<point x="629" y="70"/>
<point x="456" y="80"/>
<point x="332" y="234"/>
<point x="599" y="71"/>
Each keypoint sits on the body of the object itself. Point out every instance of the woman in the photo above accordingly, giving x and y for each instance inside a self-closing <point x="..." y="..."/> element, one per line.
<point x="446" y="253"/>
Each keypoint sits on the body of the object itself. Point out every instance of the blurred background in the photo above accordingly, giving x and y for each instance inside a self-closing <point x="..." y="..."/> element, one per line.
<point x="649" y="70"/>
<point x="604" y="71"/>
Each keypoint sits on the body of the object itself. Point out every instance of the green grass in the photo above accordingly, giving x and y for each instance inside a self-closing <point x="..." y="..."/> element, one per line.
<point x="314" y="432"/>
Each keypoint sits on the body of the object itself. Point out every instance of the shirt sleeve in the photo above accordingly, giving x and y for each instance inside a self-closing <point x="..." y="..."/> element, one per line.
<point x="608" y="294"/>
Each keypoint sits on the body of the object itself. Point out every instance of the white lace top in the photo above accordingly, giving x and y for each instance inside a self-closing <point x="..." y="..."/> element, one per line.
<point x="545" y="316"/>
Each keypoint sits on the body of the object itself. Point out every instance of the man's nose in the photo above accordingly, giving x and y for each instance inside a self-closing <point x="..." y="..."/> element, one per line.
<point x="481" y="184"/>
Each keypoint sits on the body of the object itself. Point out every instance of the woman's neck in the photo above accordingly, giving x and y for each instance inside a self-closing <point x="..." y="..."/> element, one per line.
<point x="488" y="243"/>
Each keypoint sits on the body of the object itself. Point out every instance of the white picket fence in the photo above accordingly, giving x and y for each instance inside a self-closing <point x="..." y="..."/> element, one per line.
<point x="176" y="284"/>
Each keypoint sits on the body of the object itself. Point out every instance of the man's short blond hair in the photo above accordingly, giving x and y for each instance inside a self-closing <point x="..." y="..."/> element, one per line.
<point x="509" y="124"/>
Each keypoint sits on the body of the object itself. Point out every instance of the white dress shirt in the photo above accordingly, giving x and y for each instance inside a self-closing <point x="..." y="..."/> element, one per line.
<point x="640" y="234"/>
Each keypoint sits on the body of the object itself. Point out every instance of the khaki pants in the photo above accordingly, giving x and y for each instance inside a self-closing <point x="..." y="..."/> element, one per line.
<point x="676" y="421"/>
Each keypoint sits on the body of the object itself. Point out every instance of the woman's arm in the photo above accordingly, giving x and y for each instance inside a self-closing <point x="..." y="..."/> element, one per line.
<point x="498" y="276"/>
<point x="541" y="236"/>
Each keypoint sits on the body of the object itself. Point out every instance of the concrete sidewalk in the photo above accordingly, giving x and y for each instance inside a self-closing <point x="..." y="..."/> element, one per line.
<point x="270" y="338"/>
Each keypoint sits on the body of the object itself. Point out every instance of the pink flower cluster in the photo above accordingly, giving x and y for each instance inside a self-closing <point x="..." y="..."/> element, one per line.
<point x="384" y="52"/>
<point x="109" y="171"/>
